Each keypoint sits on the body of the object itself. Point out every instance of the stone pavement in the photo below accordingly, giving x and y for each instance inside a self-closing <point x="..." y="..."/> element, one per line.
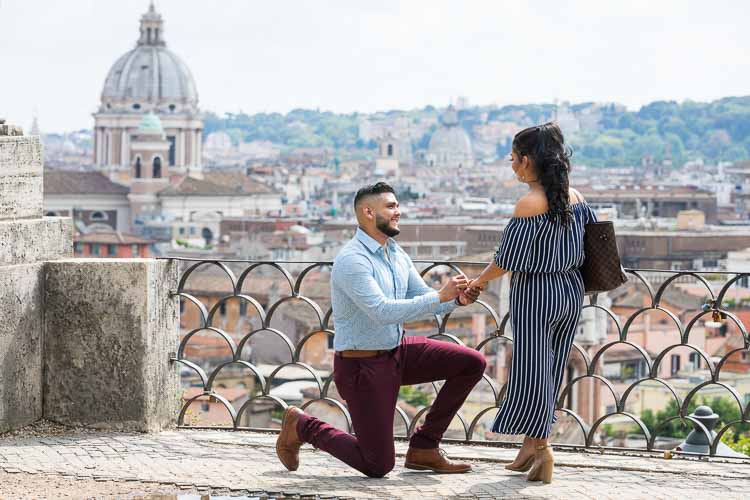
<point x="235" y="463"/>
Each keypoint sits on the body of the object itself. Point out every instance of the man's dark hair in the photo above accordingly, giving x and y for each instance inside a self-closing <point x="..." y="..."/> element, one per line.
<point x="372" y="190"/>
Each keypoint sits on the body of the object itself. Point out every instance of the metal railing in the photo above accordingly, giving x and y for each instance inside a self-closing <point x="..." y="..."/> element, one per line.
<point x="206" y="376"/>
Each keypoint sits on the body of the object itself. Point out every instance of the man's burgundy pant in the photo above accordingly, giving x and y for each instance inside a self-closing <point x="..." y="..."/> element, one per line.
<point x="370" y="387"/>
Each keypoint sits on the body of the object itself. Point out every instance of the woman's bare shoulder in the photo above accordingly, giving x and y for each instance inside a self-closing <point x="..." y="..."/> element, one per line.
<point x="530" y="205"/>
<point x="575" y="196"/>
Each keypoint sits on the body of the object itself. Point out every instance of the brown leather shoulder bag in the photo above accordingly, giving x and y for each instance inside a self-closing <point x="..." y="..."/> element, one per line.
<point x="601" y="269"/>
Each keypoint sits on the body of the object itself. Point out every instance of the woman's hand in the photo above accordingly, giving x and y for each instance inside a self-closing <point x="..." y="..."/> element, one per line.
<point x="470" y="294"/>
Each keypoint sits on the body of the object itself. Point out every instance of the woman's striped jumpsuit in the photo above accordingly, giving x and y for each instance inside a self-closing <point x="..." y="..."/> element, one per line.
<point x="546" y="294"/>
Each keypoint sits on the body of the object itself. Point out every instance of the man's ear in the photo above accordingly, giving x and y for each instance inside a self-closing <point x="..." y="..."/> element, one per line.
<point x="364" y="212"/>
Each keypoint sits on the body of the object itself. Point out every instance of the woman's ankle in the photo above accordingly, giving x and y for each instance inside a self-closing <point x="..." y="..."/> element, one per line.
<point x="540" y="444"/>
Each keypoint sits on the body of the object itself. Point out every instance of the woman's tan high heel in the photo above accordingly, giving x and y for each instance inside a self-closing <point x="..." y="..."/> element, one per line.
<point x="523" y="467"/>
<point x="527" y="463"/>
<point x="544" y="464"/>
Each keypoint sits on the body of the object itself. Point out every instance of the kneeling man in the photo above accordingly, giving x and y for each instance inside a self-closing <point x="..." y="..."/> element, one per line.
<point x="375" y="288"/>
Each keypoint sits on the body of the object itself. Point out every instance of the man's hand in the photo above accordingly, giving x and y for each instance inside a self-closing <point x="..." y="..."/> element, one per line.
<point x="453" y="288"/>
<point x="469" y="295"/>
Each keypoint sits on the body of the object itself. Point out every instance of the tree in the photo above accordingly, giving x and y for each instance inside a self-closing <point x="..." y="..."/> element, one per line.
<point x="412" y="395"/>
<point x="726" y="408"/>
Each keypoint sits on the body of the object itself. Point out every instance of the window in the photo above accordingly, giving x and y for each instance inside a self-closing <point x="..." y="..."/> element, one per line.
<point x="136" y="106"/>
<point x="204" y="406"/>
<point x="329" y="339"/>
<point x="157" y="168"/>
<point x="390" y="149"/>
<point x="138" y="167"/>
<point x="111" y="250"/>
<point x="96" y="249"/>
<point x="135" y="251"/>
<point x="51" y="214"/>
<point x="172" y="107"/>
<point x="79" y="247"/>
<point x="192" y="230"/>
<point x="182" y="305"/>
<point x="695" y="360"/>
<point x="223" y="309"/>
<point x="171" y="141"/>
<point x="675" y="364"/>
<point x="612" y="370"/>
<point x="98" y="216"/>
<point x="243" y="308"/>
<point x="631" y="370"/>
<point x="181" y="230"/>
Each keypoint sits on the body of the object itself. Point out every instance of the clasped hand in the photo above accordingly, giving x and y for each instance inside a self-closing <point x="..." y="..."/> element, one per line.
<point x="460" y="287"/>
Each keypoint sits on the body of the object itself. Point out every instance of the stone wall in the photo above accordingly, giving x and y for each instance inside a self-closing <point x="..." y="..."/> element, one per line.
<point x="81" y="341"/>
<point x="27" y="241"/>
<point x="110" y="328"/>
<point x="20" y="177"/>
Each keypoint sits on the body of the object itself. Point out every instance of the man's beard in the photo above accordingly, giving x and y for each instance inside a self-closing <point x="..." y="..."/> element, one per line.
<point x="384" y="226"/>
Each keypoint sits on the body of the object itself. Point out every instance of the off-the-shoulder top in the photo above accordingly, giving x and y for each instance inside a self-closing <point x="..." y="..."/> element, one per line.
<point x="539" y="244"/>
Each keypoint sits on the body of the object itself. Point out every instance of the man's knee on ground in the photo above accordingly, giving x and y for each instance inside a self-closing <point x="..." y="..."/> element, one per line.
<point x="380" y="468"/>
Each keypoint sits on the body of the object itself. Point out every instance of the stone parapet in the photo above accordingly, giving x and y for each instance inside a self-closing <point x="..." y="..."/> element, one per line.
<point x="27" y="241"/>
<point x="20" y="177"/>
<point x="112" y="327"/>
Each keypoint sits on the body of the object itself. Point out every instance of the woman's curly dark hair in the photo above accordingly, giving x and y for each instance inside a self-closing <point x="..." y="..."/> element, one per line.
<point x="545" y="146"/>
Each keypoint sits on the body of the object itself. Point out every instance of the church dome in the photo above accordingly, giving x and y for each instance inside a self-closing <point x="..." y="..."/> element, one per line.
<point x="450" y="145"/>
<point x="150" y="76"/>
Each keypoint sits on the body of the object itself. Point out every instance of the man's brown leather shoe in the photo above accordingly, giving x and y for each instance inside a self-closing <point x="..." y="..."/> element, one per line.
<point x="288" y="443"/>
<point x="433" y="459"/>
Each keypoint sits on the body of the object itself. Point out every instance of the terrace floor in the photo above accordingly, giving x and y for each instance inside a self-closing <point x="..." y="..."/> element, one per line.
<point x="48" y="461"/>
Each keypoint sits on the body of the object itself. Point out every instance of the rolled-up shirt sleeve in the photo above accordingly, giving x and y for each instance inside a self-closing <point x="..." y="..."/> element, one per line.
<point x="353" y="275"/>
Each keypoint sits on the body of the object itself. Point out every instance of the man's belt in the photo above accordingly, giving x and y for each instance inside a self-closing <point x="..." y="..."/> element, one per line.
<point x="361" y="353"/>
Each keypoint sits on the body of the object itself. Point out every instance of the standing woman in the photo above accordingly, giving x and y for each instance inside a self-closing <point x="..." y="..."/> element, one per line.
<point x="543" y="247"/>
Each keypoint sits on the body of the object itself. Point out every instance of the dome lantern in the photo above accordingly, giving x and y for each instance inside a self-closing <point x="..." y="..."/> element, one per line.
<point x="152" y="28"/>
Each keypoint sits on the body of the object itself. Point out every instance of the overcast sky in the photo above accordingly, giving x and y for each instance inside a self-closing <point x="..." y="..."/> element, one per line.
<point x="352" y="55"/>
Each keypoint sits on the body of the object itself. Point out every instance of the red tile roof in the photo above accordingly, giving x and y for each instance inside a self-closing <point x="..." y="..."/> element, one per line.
<point x="111" y="238"/>
<point x="75" y="182"/>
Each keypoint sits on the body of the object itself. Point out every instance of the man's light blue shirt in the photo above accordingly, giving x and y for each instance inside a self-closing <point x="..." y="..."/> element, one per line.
<point x="373" y="294"/>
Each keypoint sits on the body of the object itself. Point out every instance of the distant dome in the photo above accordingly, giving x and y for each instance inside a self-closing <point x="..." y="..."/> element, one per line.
<point x="150" y="124"/>
<point x="454" y="141"/>
<point x="450" y="145"/>
<point x="150" y="76"/>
